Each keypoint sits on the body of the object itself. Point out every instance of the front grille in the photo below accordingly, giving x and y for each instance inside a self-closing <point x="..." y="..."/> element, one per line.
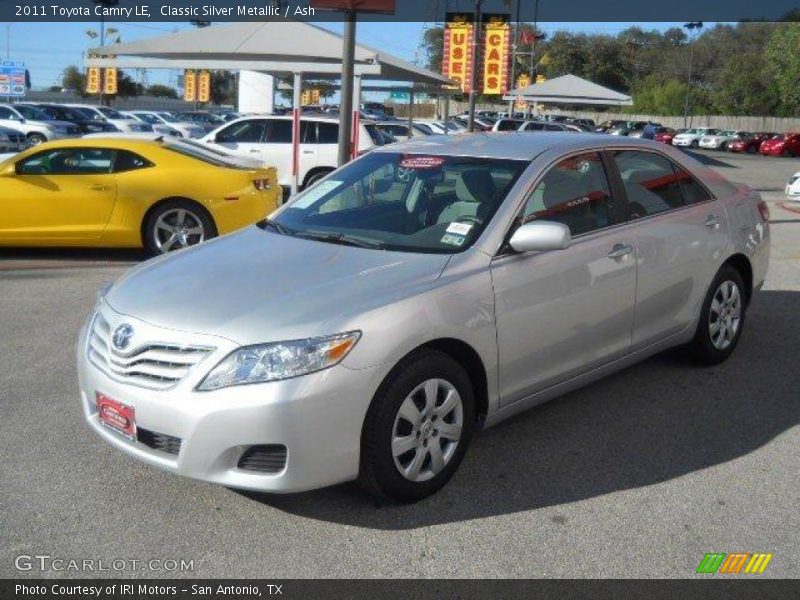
<point x="152" y="365"/>
<point x="267" y="458"/>
<point x="16" y="138"/>
<point x="159" y="441"/>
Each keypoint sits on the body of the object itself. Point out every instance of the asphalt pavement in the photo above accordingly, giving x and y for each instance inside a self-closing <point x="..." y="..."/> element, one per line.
<point x="638" y="475"/>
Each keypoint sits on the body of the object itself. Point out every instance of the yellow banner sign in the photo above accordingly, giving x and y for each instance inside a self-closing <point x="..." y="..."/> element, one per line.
<point x="110" y="81"/>
<point x="457" y="57"/>
<point x="189" y="85"/>
<point x="93" y="80"/>
<point x="204" y="86"/>
<point x="495" y="58"/>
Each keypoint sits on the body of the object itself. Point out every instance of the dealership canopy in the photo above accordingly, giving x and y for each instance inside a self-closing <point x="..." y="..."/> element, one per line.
<point x="279" y="48"/>
<point x="569" y="89"/>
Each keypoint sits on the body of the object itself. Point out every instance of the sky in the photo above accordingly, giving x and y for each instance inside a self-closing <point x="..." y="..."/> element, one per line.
<point x="48" y="48"/>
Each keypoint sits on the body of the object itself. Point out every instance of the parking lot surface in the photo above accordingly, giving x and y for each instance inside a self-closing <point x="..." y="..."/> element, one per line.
<point x="638" y="475"/>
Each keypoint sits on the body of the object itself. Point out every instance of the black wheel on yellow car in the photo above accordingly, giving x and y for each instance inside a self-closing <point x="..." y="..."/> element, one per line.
<point x="176" y="224"/>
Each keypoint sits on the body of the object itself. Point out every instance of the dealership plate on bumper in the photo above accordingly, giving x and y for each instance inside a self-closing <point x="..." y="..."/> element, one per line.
<point x="116" y="415"/>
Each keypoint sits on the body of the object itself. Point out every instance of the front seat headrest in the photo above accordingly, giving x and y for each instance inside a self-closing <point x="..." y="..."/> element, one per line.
<point x="475" y="185"/>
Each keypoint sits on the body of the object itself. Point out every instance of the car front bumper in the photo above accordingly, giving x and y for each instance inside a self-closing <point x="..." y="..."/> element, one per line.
<point x="317" y="418"/>
<point x="681" y="142"/>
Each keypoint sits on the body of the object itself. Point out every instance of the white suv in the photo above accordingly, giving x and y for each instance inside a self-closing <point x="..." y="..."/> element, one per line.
<point x="113" y="116"/>
<point x="37" y="126"/>
<point x="269" y="138"/>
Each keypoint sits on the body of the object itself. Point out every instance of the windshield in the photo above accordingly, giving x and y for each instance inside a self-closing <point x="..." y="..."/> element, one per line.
<point x="405" y="202"/>
<point x="110" y="113"/>
<point x="148" y="118"/>
<point x="168" y="117"/>
<point x="34" y="114"/>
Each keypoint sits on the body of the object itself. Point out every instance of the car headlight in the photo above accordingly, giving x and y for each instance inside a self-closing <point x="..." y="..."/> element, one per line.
<point x="279" y="360"/>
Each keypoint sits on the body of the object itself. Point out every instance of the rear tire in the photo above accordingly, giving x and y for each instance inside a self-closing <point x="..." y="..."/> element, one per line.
<point x="721" y="318"/>
<point x="315" y="178"/>
<point x="695" y="144"/>
<point x="176" y="224"/>
<point x="417" y="428"/>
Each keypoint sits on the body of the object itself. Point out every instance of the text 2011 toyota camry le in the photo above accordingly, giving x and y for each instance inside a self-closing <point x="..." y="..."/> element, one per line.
<point x="369" y="327"/>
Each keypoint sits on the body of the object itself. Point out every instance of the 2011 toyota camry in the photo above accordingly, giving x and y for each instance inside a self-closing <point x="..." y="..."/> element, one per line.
<point x="369" y="327"/>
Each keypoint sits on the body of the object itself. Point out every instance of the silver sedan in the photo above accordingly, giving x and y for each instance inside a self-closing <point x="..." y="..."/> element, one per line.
<point x="424" y="291"/>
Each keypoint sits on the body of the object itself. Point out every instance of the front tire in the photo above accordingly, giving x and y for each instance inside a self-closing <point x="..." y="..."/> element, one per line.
<point x="417" y="428"/>
<point x="36" y="138"/>
<point x="721" y="318"/>
<point x="695" y="144"/>
<point x="176" y="224"/>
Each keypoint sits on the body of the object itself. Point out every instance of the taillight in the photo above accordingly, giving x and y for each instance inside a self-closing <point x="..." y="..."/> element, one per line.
<point x="763" y="209"/>
<point x="261" y="184"/>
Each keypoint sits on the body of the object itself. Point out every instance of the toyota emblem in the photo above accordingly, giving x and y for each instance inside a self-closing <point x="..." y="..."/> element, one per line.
<point x="122" y="336"/>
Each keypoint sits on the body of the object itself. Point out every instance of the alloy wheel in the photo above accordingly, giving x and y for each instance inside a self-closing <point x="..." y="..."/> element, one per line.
<point x="178" y="228"/>
<point x="725" y="315"/>
<point x="427" y="430"/>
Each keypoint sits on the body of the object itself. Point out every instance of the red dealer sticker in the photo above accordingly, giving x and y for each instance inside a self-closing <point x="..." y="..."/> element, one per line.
<point x="422" y="162"/>
<point x="116" y="415"/>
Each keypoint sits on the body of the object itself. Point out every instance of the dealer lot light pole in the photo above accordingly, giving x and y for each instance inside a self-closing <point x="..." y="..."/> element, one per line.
<point x="473" y="92"/>
<point x="691" y="26"/>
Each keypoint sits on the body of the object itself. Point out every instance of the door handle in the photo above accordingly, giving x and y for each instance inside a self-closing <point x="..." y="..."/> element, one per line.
<point x="308" y="152"/>
<point x="98" y="188"/>
<point x="620" y="251"/>
<point x="254" y="150"/>
<point x="712" y="222"/>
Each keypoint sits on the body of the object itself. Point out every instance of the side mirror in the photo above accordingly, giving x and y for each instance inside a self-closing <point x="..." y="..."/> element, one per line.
<point x="539" y="236"/>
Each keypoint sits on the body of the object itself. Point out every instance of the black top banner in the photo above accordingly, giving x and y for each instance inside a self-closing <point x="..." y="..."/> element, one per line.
<point x="404" y="10"/>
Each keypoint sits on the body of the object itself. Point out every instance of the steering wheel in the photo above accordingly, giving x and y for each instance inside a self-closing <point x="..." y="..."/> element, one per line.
<point x="470" y="219"/>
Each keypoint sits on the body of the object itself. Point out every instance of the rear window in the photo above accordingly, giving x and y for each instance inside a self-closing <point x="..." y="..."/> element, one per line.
<point x="375" y="135"/>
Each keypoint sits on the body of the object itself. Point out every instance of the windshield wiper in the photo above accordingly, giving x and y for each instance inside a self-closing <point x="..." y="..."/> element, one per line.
<point x="275" y="225"/>
<point x="340" y="238"/>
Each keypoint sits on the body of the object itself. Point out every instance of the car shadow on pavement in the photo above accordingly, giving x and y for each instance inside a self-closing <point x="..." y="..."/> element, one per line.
<point x="650" y="423"/>
<point x="54" y="258"/>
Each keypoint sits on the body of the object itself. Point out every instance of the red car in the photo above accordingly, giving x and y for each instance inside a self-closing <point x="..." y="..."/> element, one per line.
<point x="665" y="135"/>
<point x="749" y="144"/>
<point x="786" y="144"/>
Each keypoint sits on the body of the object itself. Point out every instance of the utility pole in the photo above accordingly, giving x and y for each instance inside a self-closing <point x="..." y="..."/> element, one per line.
<point x="347" y="107"/>
<point x="691" y="26"/>
<point x="473" y="92"/>
<point x="514" y="60"/>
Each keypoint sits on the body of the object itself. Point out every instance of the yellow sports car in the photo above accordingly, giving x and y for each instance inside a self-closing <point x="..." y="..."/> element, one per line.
<point x="159" y="194"/>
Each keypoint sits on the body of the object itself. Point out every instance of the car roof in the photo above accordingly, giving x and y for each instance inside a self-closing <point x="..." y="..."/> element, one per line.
<point x="511" y="145"/>
<point x="126" y="143"/>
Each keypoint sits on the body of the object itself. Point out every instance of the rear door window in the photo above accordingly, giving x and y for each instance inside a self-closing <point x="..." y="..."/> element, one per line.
<point x="244" y="132"/>
<point x="651" y="184"/>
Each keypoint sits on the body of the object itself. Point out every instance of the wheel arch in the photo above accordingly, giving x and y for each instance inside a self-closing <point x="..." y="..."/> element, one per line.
<point x="312" y="172"/>
<point x="742" y="264"/>
<point x="163" y="201"/>
<point x="467" y="357"/>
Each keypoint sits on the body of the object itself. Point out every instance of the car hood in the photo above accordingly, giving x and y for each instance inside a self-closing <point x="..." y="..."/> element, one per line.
<point x="256" y="286"/>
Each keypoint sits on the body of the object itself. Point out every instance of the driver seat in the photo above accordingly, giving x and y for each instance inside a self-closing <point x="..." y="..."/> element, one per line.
<point x="475" y="191"/>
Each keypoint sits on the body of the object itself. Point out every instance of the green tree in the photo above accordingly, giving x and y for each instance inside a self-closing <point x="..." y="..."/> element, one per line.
<point x="745" y="86"/>
<point x="74" y="80"/>
<point x="783" y="56"/>
<point x="161" y="91"/>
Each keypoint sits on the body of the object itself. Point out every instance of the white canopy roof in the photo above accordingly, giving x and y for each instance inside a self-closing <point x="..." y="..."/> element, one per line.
<point x="275" y="47"/>
<point x="569" y="89"/>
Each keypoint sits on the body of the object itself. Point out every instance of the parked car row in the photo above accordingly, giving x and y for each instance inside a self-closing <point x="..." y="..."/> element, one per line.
<point x="40" y="122"/>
